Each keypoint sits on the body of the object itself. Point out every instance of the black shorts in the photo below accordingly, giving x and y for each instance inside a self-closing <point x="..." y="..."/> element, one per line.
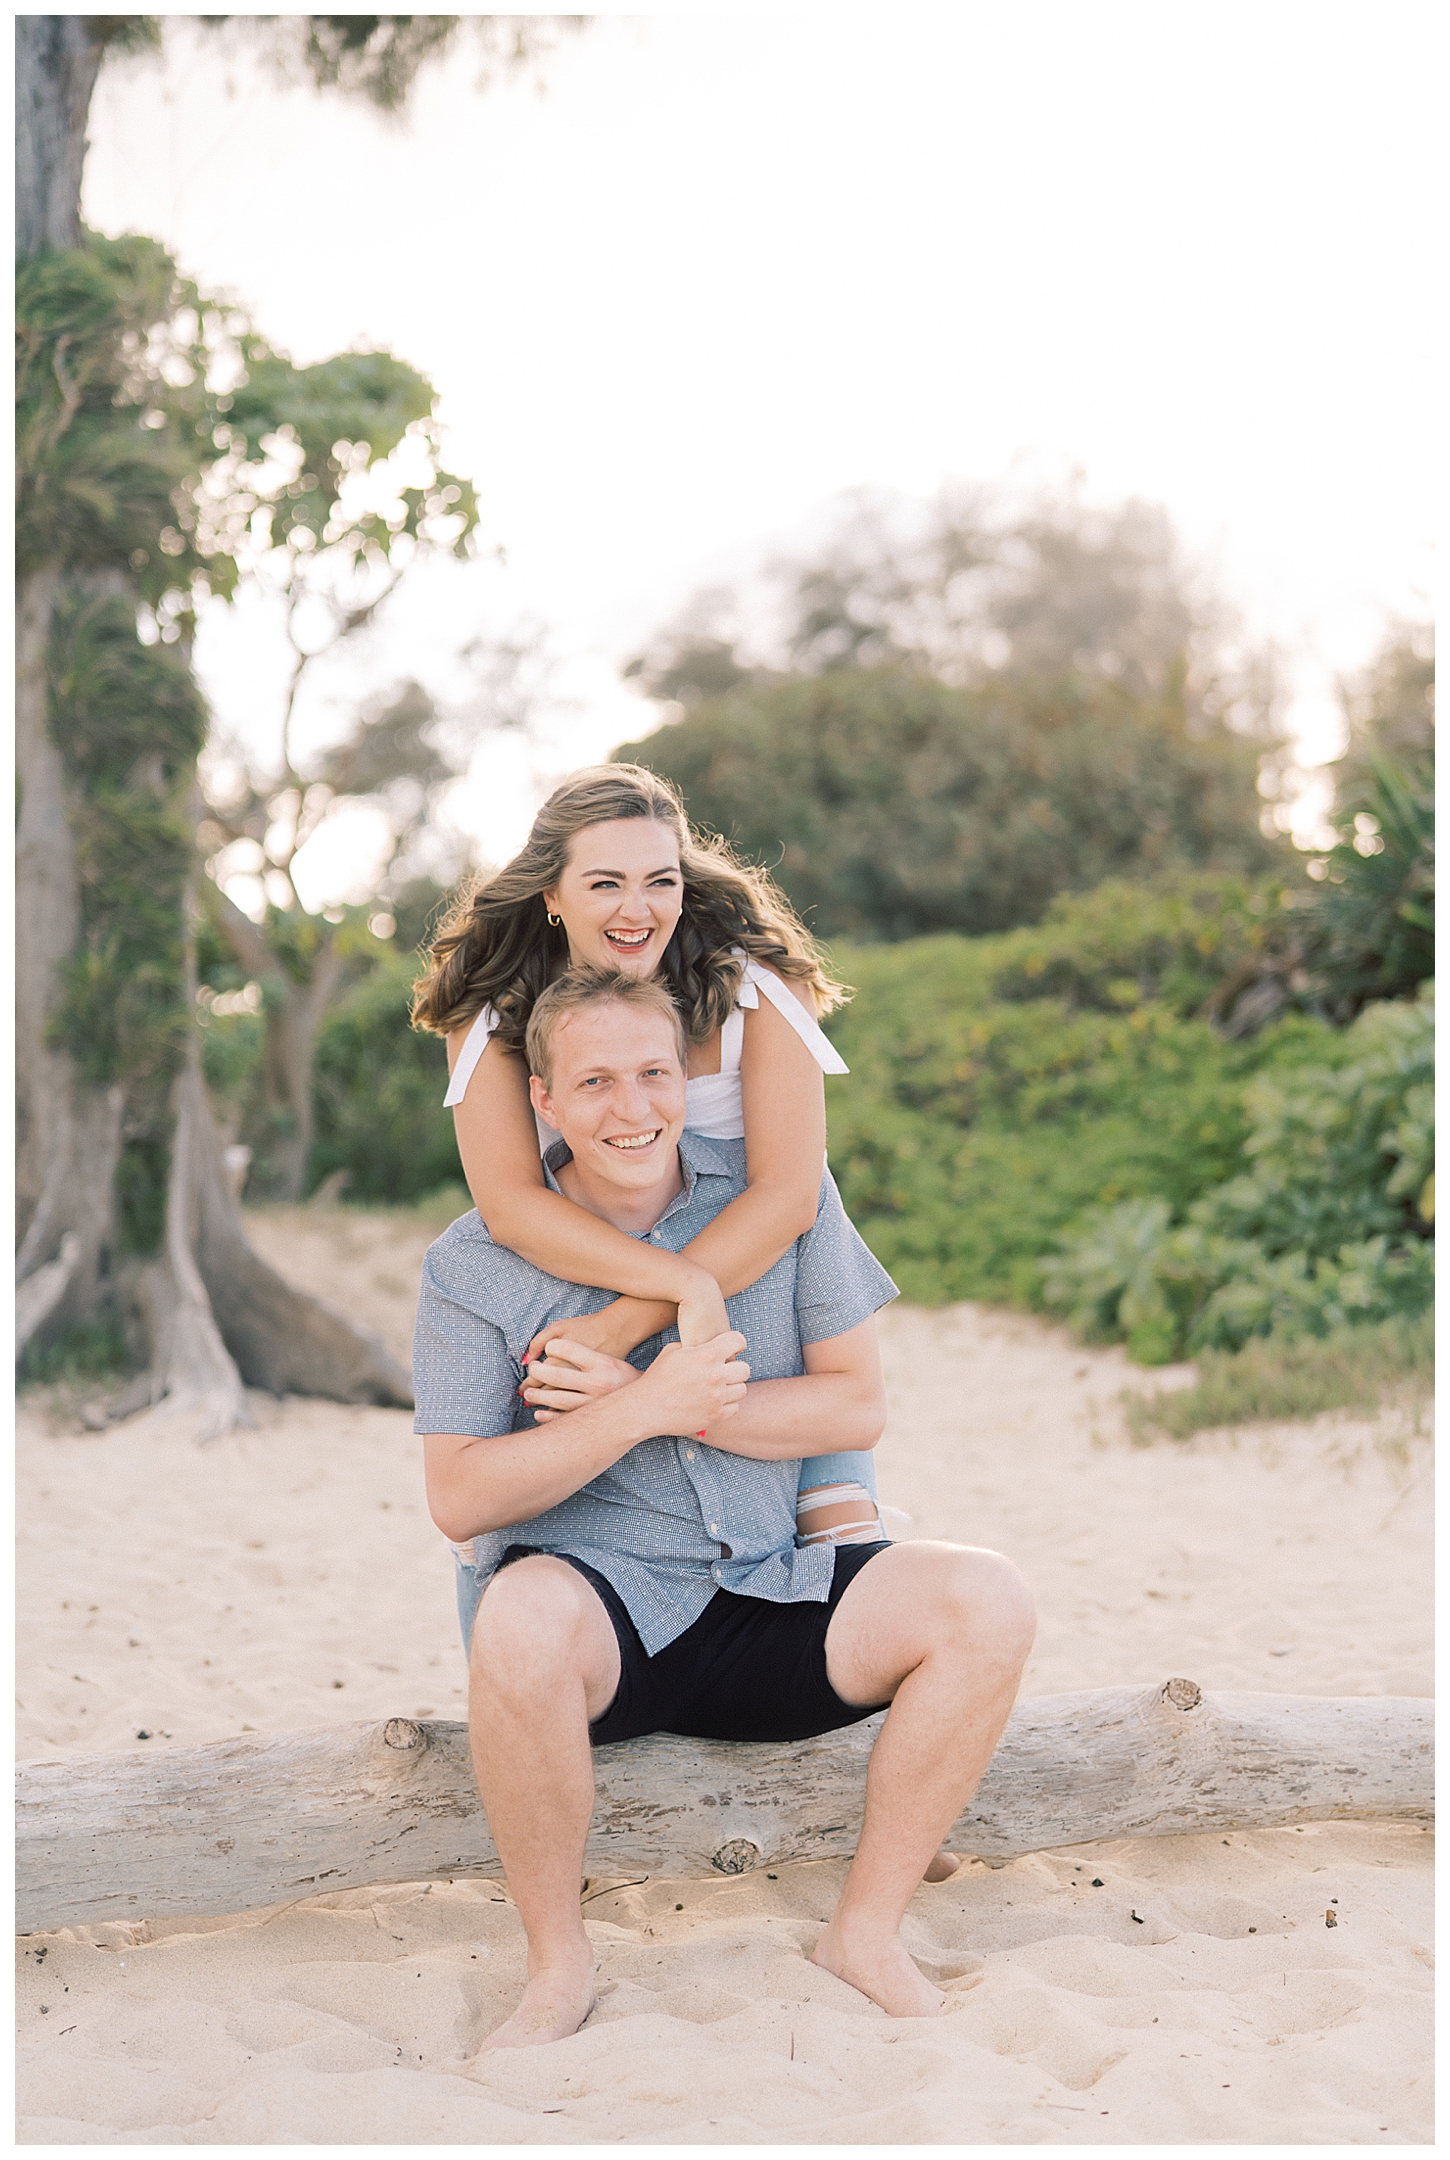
<point x="745" y="1670"/>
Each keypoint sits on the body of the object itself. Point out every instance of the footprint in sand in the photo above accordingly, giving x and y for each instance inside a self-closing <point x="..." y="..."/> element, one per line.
<point x="956" y="1976"/>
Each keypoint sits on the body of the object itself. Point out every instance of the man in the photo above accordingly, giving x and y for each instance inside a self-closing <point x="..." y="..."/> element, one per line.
<point x="633" y="1563"/>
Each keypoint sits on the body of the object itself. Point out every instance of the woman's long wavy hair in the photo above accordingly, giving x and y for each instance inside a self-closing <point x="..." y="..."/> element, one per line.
<point x="497" y="947"/>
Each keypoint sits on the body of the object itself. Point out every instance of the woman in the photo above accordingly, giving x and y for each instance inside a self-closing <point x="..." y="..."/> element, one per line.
<point x="613" y="876"/>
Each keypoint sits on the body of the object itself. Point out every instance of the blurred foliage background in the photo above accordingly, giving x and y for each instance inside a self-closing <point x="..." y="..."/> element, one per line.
<point x="1119" y="1052"/>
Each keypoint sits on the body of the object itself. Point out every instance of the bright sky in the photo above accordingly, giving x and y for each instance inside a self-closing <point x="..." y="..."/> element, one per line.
<point x="727" y="265"/>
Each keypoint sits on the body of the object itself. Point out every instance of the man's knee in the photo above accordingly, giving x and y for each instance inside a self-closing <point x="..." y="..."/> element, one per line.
<point x="974" y="1601"/>
<point x="988" y="1600"/>
<point x="532" y="1623"/>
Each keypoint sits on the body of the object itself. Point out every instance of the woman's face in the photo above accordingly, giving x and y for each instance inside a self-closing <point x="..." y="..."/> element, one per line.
<point x="620" y="894"/>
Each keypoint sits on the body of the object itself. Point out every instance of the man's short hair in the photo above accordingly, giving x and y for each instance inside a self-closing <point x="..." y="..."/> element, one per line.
<point x="586" y="986"/>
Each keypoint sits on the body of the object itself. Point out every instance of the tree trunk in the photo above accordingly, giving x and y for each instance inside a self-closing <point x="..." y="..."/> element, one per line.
<point x="57" y="58"/>
<point x="203" y="1831"/>
<point x="293" y="1013"/>
<point x="217" y="1316"/>
<point x="194" y="1382"/>
<point x="292" y="1026"/>
<point x="259" y="1331"/>
<point x="68" y="1135"/>
<point x="281" y="1338"/>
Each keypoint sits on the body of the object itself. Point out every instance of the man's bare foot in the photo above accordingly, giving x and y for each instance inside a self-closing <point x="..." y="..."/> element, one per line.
<point x="879" y="1966"/>
<point x="556" y="2002"/>
<point x="943" y="1867"/>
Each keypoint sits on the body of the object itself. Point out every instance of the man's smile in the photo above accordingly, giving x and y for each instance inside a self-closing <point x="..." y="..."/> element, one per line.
<point x="634" y="1140"/>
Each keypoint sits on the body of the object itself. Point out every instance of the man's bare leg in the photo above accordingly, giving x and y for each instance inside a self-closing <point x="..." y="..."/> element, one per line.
<point x="543" y="1662"/>
<point x="846" y="1514"/>
<point x="942" y="1633"/>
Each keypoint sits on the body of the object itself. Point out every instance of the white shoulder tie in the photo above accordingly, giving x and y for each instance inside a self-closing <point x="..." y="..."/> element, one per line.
<point x="475" y="1042"/>
<point x="757" y="978"/>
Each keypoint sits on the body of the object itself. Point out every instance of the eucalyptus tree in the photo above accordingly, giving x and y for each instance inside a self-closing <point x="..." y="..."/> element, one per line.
<point x="160" y="443"/>
<point x="344" y="500"/>
<point x="1377" y="883"/>
<point x="891" y="805"/>
<point x="395" y="761"/>
<point x="952" y="711"/>
<point x="973" y="586"/>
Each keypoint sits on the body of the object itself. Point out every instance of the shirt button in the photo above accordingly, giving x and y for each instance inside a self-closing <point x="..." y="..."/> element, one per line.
<point x="714" y="1529"/>
<point x="689" y="1454"/>
<point x="716" y="1573"/>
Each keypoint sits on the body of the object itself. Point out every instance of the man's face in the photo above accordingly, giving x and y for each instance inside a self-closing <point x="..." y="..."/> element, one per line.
<point x="617" y="1093"/>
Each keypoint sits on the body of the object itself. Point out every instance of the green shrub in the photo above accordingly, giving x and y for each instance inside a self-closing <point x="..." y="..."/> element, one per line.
<point x="1177" y="941"/>
<point x="1339" y="1154"/>
<point x="1065" y="1134"/>
<point x="1355" y="1368"/>
<point x="1294" y="1294"/>
<point x="1377" y="904"/>
<point x="1126" y="1275"/>
<point x="380" y="1090"/>
<point x="889" y="804"/>
<point x="91" y="1350"/>
<point x="974" y="1132"/>
<point x="1325" y="1228"/>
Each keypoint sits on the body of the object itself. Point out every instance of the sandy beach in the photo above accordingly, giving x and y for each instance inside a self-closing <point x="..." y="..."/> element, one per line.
<point x="1176" y="1990"/>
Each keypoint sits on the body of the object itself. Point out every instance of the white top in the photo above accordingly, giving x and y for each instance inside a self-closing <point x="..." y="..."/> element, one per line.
<point x="714" y="1103"/>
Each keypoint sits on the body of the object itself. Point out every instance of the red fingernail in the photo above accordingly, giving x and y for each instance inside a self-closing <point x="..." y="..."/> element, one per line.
<point x="700" y="1435"/>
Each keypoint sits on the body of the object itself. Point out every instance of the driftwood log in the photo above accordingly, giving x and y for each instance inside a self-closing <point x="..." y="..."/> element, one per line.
<point x="205" y="1831"/>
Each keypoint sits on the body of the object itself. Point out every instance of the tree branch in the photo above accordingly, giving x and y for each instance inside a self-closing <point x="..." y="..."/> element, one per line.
<point x="328" y="971"/>
<point x="189" y="1832"/>
<point x="70" y="393"/>
<point x="241" y="933"/>
<point x="357" y="618"/>
<point x="306" y="826"/>
<point x="288" y="769"/>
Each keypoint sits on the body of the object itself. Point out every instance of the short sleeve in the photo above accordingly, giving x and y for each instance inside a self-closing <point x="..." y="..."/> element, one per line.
<point x="464" y="1380"/>
<point x="839" y="1283"/>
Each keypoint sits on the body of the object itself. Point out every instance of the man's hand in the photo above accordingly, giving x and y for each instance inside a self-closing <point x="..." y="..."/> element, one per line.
<point x="689" y="1387"/>
<point x="477" y="1484"/>
<point x="569" y="1375"/>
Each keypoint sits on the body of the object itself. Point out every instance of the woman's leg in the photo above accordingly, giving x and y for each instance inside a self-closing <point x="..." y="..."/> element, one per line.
<point x="836" y="1501"/>
<point x="468" y="1589"/>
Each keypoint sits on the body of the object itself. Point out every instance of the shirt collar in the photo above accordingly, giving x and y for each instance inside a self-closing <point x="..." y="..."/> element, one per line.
<point x="697" y="1159"/>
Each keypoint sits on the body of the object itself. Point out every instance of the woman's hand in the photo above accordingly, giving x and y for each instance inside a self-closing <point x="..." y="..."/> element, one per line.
<point x="618" y="1328"/>
<point x="570" y="1375"/>
<point x="613" y="1331"/>
<point x="702" y="1313"/>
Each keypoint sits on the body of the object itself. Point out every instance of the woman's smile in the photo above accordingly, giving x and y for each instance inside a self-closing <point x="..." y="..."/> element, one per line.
<point x="630" y="864"/>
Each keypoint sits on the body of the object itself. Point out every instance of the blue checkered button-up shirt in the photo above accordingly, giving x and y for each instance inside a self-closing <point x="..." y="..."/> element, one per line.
<point x="673" y="1520"/>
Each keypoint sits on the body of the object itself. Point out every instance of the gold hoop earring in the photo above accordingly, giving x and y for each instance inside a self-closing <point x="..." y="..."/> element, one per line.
<point x="553" y="920"/>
